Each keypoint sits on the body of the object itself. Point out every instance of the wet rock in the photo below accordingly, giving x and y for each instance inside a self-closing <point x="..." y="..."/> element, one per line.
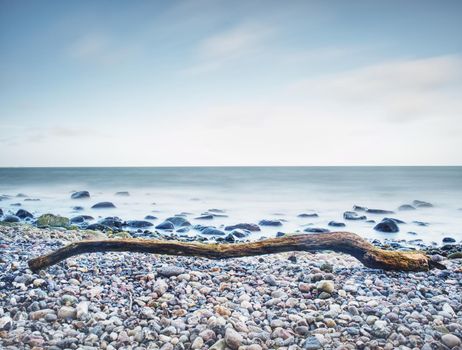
<point x="449" y="240"/>
<point x="77" y="208"/>
<point x="138" y="223"/>
<point x="316" y="230"/>
<point x="97" y="227"/>
<point x="456" y="255"/>
<point x="308" y="215"/>
<point x="23" y="214"/>
<point x="270" y="223"/>
<point x="80" y="195"/>
<point x="211" y="231"/>
<point x="122" y="194"/>
<point x="359" y="208"/>
<point x="422" y="204"/>
<point x="379" y="211"/>
<point x="405" y="207"/>
<point x="204" y="217"/>
<point x="242" y="226"/>
<point x="51" y="220"/>
<point x="81" y="219"/>
<point x="351" y="215"/>
<point x="150" y="217"/>
<point x="387" y="225"/>
<point x="450" y="340"/>
<point x="178" y="221"/>
<point x="166" y="225"/>
<point x="112" y="222"/>
<point x="420" y="223"/>
<point x="240" y="233"/>
<point x="103" y="205"/>
<point x="10" y="218"/>
<point x="336" y="224"/>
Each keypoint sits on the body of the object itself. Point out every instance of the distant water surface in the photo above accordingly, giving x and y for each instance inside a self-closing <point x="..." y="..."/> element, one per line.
<point x="249" y="194"/>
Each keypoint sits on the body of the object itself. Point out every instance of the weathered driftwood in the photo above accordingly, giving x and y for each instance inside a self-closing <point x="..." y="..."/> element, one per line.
<point x="344" y="242"/>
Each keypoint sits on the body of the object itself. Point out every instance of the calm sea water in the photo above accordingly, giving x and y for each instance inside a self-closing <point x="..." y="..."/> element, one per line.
<point x="249" y="194"/>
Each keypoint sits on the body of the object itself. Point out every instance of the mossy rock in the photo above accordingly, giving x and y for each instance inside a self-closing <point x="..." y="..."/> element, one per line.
<point x="50" y="220"/>
<point x="456" y="255"/>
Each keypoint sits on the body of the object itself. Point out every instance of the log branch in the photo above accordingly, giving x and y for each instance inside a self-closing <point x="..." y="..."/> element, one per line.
<point x="343" y="242"/>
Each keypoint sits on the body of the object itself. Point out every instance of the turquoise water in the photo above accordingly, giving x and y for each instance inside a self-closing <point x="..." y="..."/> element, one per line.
<point x="249" y="194"/>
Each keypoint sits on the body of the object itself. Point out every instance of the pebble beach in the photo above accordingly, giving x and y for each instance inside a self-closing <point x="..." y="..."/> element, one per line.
<point x="283" y="301"/>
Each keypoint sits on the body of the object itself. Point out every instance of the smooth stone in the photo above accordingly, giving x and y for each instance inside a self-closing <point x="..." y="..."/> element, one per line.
<point x="327" y="286"/>
<point x="450" y="340"/>
<point x="212" y="231"/>
<point x="82" y="309"/>
<point x="422" y="204"/>
<point x="316" y="230"/>
<point x="166" y="225"/>
<point x="138" y="223"/>
<point x="387" y="225"/>
<point x="178" y="221"/>
<point x="122" y="194"/>
<point x="10" y="218"/>
<point x="233" y="339"/>
<point x="204" y="217"/>
<point x="67" y="312"/>
<point x="81" y="219"/>
<point x="449" y="240"/>
<point x="270" y="223"/>
<point x="379" y="211"/>
<point x="351" y="215"/>
<point x="6" y="323"/>
<point x="51" y="220"/>
<point x="312" y="343"/>
<point x="336" y="224"/>
<point x="103" y="205"/>
<point x="243" y="226"/>
<point x="150" y="217"/>
<point x="80" y="195"/>
<point x="170" y="270"/>
<point x="405" y="207"/>
<point x="308" y="215"/>
<point x="23" y="214"/>
<point x="219" y="345"/>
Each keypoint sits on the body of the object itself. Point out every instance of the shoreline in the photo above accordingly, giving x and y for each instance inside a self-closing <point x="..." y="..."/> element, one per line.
<point x="285" y="301"/>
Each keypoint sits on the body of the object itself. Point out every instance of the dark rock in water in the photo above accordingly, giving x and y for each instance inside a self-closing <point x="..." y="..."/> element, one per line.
<point x="80" y="195"/>
<point x="412" y="233"/>
<point x="406" y="207"/>
<point x="308" y="215"/>
<point x="270" y="223"/>
<point x="200" y="227"/>
<point x="32" y="200"/>
<point x="456" y="255"/>
<point x="420" y="223"/>
<point x="10" y="218"/>
<point x="97" y="227"/>
<point x="1" y="212"/>
<point x="292" y="259"/>
<point x="351" y="215"/>
<point x="122" y="194"/>
<point x="112" y="221"/>
<point x="22" y="214"/>
<point x="316" y="230"/>
<point x="15" y="204"/>
<point x="219" y="211"/>
<point x="178" y="221"/>
<point x="230" y="238"/>
<point x="211" y="231"/>
<point x="336" y="224"/>
<point x="379" y="211"/>
<point x="51" y="220"/>
<point x="150" y="217"/>
<point x="449" y="240"/>
<point x="387" y="225"/>
<point x="81" y="219"/>
<point x="166" y="225"/>
<point x="77" y="208"/>
<point x="22" y="195"/>
<point x="422" y="204"/>
<point x="240" y="233"/>
<point x="102" y="205"/>
<point x="370" y="221"/>
<point x="280" y="234"/>
<point x="138" y="223"/>
<point x="205" y="217"/>
<point x="183" y="229"/>
<point x="248" y="227"/>
<point x="359" y="208"/>
<point x="398" y="221"/>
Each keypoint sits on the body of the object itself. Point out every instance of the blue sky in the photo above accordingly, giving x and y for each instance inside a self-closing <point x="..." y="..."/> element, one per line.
<point x="156" y="83"/>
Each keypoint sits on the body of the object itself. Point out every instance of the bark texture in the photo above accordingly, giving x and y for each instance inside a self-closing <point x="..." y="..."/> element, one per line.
<point x="343" y="242"/>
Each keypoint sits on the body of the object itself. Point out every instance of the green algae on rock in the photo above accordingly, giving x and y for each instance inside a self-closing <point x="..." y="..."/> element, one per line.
<point x="50" y="220"/>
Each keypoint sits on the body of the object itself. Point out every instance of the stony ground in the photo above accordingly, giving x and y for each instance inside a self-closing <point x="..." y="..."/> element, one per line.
<point x="284" y="301"/>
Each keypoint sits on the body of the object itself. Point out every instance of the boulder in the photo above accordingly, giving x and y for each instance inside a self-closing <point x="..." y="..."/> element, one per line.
<point x="308" y="215"/>
<point x="80" y="195"/>
<point x="138" y="223"/>
<point x="112" y="222"/>
<point x="379" y="211"/>
<point x="81" y="219"/>
<point x="97" y="227"/>
<point x="1" y="212"/>
<point x="406" y="207"/>
<point x="122" y="194"/>
<point x="336" y="224"/>
<point x="387" y="225"/>
<point x="316" y="230"/>
<point x="422" y="204"/>
<point x="212" y="231"/>
<point x="103" y="205"/>
<point x="170" y="270"/>
<point x="23" y="214"/>
<point x="270" y="223"/>
<point x="166" y="225"/>
<point x="351" y="215"/>
<point x="238" y="233"/>
<point x="178" y="221"/>
<point x="242" y="226"/>
<point x="10" y="218"/>
<point x="51" y="220"/>
<point x="449" y="240"/>
<point x="359" y="208"/>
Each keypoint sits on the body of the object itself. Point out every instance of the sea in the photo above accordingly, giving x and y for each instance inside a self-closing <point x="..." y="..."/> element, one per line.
<point x="250" y="194"/>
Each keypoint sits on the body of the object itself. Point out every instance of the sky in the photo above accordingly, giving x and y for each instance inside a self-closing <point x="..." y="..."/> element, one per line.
<point x="222" y="83"/>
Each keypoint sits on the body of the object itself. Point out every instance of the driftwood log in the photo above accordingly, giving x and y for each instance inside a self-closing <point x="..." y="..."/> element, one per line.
<point x="343" y="242"/>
